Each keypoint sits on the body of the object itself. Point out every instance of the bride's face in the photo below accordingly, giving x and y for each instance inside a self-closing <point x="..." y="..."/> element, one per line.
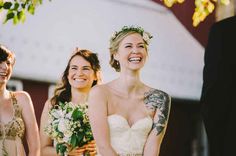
<point x="132" y="52"/>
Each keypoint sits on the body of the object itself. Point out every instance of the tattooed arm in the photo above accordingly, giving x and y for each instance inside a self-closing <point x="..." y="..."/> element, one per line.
<point x="159" y="102"/>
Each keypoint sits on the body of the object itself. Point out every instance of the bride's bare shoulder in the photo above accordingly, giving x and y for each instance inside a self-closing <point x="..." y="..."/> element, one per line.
<point x="101" y="90"/>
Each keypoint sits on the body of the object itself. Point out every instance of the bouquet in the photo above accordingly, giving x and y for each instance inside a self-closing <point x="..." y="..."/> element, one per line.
<point x="69" y="126"/>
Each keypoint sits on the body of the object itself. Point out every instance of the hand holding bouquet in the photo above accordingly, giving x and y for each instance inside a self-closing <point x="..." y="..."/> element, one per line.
<point x="69" y="126"/>
<point x="86" y="150"/>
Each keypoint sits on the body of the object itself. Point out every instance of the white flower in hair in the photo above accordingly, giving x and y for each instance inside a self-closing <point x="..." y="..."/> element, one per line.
<point x="113" y="36"/>
<point x="146" y="37"/>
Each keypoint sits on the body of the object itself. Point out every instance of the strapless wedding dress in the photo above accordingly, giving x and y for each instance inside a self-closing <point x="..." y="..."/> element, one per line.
<point x="129" y="140"/>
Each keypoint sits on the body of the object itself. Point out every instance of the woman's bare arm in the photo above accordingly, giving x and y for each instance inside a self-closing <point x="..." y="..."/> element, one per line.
<point x="98" y="120"/>
<point x="46" y="142"/>
<point x="160" y="102"/>
<point x="32" y="131"/>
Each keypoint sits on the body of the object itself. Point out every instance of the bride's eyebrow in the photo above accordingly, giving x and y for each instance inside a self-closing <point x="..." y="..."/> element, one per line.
<point x="141" y="43"/>
<point x="132" y="43"/>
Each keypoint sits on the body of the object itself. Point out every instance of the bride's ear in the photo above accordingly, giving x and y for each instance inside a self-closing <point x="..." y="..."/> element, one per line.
<point x="116" y="56"/>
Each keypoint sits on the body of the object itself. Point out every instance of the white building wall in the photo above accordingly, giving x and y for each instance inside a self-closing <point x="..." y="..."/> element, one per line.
<point x="43" y="44"/>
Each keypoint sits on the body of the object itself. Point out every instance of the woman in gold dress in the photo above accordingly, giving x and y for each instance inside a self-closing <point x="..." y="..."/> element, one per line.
<point x="17" y="115"/>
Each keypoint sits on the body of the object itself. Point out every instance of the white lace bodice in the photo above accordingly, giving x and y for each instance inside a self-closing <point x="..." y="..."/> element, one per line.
<point x="126" y="139"/>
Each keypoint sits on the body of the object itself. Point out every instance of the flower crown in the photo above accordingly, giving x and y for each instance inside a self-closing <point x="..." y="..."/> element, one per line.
<point x="146" y="36"/>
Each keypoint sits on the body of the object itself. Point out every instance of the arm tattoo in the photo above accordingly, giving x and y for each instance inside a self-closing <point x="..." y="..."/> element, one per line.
<point x="158" y="100"/>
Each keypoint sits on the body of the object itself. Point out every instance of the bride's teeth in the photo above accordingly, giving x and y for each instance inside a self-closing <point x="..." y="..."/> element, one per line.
<point x="135" y="59"/>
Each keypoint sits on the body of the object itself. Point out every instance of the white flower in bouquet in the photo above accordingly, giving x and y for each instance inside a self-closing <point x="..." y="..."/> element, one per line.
<point x="69" y="126"/>
<point x="57" y="114"/>
<point x="63" y="125"/>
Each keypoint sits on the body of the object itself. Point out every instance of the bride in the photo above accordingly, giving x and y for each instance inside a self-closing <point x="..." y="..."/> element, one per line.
<point x="128" y="118"/>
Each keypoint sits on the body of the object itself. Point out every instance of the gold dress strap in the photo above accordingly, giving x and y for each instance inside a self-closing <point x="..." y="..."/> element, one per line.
<point x="13" y="99"/>
<point x="14" y="133"/>
<point x="17" y="113"/>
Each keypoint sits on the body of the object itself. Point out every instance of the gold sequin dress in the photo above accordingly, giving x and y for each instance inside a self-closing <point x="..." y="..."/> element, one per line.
<point x="12" y="132"/>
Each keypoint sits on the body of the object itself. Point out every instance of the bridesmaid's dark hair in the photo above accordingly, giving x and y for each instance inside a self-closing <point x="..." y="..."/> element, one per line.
<point x="62" y="92"/>
<point x="6" y="55"/>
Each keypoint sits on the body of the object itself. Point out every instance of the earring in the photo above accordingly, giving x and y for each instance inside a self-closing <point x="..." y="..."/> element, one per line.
<point x="117" y="63"/>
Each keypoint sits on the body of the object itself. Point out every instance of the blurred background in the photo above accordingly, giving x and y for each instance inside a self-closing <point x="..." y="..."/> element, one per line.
<point x="45" y="41"/>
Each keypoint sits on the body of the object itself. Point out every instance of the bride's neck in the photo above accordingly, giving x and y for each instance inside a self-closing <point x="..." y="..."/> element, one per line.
<point x="128" y="86"/>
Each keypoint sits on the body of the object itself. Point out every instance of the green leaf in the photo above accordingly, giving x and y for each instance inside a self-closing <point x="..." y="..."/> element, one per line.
<point x="21" y="15"/>
<point x="15" y="20"/>
<point x="61" y="148"/>
<point x="7" y="5"/>
<point x="74" y="141"/>
<point x="76" y="114"/>
<point x="69" y="109"/>
<point x="80" y="137"/>
<point x="9" y="16"/>
<point x="31" y="9"/>
<point x="23" y="5"/>
<point x="57" y="148"/>
<point x="1" y="3"/>
<point x="16" y="6"/>
<point x="35" y="2"/>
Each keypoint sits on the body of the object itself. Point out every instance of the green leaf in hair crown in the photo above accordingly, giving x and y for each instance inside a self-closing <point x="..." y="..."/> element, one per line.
<point x="146" y="36"/>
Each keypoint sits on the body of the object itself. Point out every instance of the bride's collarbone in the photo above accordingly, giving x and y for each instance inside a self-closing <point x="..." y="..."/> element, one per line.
<point x="125" y="103"/>
<point x="122" y="94"/>
<point x="126" y="97"/>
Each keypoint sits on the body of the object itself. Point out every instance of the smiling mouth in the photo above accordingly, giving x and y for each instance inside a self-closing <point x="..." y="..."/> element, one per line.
<point x="3" y="74"/>
<point x="135" y="59"/>
<point x="79" y="80"/>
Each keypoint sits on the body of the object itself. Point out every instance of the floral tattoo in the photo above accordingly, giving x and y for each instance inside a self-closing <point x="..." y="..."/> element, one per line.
<point x="157" y="100"/>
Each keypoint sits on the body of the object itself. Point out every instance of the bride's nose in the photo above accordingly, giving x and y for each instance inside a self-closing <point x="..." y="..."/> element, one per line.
<point x="134" y="51"/>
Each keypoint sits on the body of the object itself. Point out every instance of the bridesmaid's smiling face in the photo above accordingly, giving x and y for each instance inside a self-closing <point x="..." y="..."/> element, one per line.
<point x="81" y="75"/>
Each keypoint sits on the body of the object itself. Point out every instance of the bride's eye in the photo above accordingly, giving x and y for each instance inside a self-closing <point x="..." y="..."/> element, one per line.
<point x="128" y="46"/>
<point x="141" y="46"/>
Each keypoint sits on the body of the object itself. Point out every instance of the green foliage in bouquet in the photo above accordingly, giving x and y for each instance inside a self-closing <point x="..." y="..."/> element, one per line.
<point x="69" y="126"/>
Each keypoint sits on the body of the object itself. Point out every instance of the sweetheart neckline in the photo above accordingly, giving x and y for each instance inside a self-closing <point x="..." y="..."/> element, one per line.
<point x="130" y="126"/>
